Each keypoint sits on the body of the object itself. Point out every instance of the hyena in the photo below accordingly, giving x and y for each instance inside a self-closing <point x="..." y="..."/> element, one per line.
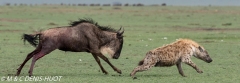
<point x="174" y="54"/>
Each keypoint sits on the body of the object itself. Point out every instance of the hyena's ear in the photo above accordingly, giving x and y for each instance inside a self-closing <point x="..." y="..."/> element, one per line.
<point x="200" y="48"/>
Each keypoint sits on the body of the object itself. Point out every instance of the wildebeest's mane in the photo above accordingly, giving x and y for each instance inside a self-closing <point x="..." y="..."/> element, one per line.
<point x="89" y="20"/>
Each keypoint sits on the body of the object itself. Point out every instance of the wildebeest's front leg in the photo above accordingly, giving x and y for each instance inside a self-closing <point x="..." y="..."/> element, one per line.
<point x="99" y="63"/>
<point x="106" y="60"/>
<point x="194" y="66"/>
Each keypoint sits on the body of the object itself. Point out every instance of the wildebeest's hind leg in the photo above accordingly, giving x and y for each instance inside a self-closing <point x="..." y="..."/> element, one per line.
<point x="44" y="50"/>
<point x="99" y="63"/>
<point x="29" y="56"/>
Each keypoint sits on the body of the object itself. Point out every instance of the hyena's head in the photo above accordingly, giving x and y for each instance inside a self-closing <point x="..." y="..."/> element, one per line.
<point x="202" y="54"/>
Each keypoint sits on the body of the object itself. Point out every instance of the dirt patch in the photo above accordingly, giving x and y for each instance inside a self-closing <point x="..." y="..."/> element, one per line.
<point x="12" y="20"/>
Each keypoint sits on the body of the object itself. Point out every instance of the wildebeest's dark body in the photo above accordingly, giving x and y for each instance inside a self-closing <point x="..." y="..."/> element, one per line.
<point x="84" y="35"/>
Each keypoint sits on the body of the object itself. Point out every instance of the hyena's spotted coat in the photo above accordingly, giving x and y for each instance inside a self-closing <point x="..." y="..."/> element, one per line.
<point x="175" y="53"/>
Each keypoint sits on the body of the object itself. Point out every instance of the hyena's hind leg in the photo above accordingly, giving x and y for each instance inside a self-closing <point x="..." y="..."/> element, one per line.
<point x="144" y="65"/>
<point x="140" y="68"/>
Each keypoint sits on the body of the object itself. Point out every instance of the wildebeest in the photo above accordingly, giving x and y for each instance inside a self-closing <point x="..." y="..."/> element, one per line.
<point x="84" y="35"/>
<point x="175" y="53"/>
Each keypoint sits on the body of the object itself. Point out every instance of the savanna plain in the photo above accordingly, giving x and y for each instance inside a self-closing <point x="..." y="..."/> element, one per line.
<point x="216" y="28"/>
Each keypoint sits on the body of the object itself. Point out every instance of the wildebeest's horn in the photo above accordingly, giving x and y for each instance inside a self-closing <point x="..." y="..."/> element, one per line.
<point x="119" y="29"/>
<point x="120" y="33"/>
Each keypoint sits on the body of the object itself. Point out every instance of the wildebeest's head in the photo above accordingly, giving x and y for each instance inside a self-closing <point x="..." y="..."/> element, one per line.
<point x="202" y="54"/>
<point x="114" y="47"/>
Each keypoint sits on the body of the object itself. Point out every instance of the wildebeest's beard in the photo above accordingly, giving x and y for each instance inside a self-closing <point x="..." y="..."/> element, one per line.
<point x="113" y="48"/>
<point x="118" y="52"/>
<point x="119" y="44"/>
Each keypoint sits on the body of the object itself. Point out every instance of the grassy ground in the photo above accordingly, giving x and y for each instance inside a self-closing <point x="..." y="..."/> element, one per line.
<point x="215" y="28"/>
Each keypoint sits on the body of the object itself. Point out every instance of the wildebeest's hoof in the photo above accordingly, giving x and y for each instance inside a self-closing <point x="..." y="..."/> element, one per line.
<point x="105" y="73"/>
<point x="134" y="77"/>
<point x="119" y="71"/>
<point x="17" y="74"/>
<point x="30" y="75"/>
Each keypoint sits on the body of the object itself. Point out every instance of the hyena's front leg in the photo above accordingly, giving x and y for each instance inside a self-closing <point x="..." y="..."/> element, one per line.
<point x="194" y="66"/>
<point x="180" y="69"/>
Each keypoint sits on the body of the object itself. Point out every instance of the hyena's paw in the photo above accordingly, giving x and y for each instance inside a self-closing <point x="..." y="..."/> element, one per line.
<point x="200" y="71"/>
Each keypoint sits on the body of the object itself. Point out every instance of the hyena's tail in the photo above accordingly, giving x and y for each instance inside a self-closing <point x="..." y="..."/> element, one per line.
<point x="140" y="62"/>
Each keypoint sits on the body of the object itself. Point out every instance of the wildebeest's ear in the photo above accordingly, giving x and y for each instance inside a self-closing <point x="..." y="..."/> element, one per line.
<point x="119" y="35"/>
<point x="200" y="48"/>
<point x="120" y="29"/>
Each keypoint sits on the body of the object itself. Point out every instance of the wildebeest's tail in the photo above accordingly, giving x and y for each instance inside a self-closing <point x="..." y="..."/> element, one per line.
<point x="140" y="62"/>
<point x="33" y="39"/>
